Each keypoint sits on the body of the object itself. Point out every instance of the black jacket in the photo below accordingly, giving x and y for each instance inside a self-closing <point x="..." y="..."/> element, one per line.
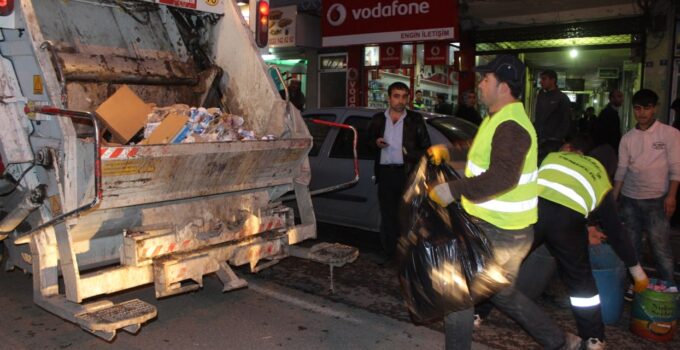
<point x="444" y="108"/>
<point x="415" y="139"/>
<point x="553" y="116"/>
<point x="606" y="128"/>
<point x="468" y="113"/>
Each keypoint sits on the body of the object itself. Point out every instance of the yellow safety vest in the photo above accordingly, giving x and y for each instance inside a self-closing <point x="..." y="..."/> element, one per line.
<point x="516" y="208"/>
<point x="573" y="180"/>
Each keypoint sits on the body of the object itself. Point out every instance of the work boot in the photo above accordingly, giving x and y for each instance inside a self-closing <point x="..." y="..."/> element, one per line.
<point x="629" y="294"/>
<point x="595" y="344"/>
<point x="477" y="323"/>
<point x="571" y="342"/>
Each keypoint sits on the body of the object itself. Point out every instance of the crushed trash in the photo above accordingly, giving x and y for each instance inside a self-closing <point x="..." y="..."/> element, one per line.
<point x="661" y="286"/>
<point x="202" y="125"/>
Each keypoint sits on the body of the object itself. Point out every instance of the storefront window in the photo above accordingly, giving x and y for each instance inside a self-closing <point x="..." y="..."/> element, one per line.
<point x="407" y="54"/>
<point x="431" y="80"/>
<point x="371" y="56"/>
<point x="438" y="84"/>
<point x="333" y="61"/>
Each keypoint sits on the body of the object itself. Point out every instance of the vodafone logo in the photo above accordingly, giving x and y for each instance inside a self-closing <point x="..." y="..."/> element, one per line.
<point x="353" y="74"/>
<point x="435" y="51"/>
<point x="390" y="51"/>
<point x="336" y="15"/>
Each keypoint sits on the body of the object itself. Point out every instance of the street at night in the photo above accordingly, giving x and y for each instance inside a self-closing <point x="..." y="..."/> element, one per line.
<point x="339" y="174"/>
<point x="288" y="306"/>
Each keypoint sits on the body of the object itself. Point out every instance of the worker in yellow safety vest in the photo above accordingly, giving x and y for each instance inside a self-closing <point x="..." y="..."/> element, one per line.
<point x="418" y="102"/>
<point x="571" y="187"/>
<point x="500" y="192"/>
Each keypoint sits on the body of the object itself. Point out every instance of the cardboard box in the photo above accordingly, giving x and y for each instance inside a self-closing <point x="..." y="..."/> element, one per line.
<point x="124" y="114"/>
<point x="167" y="130"/>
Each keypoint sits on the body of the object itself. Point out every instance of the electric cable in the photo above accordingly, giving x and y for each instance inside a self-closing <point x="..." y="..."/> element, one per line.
<point x="18" y="180"/>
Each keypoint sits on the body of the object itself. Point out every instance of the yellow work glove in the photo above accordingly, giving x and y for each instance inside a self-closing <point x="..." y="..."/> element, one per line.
<point x="441" y="194"/>
<point x="640" y="279"/>
<point x="438" y="153"/>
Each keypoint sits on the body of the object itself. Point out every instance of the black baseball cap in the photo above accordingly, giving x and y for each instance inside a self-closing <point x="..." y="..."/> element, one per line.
<point x="507" y="68"/>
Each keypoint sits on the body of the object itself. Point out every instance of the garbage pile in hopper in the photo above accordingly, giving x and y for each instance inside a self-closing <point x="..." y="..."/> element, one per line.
<point x="130" y="120"/>
<point x="199" y="125"/>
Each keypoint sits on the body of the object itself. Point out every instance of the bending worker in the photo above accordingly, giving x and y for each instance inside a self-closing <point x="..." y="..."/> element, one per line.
<point x="572" y="186"/>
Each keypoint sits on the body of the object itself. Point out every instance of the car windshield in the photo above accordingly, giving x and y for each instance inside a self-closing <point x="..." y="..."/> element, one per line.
<point x="454" y="129"/>
<point x="458" y="132"/>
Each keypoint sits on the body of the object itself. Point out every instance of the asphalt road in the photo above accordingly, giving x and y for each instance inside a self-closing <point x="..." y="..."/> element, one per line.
<point x="288" y="306"/>
<point x="263" y="316"/>
<point x="367" y="285"/>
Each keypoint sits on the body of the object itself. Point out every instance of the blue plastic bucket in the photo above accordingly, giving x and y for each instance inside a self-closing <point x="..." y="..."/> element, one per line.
<point x="609" y="273"/>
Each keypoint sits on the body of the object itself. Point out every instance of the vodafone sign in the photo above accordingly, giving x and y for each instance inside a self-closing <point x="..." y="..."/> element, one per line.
<point x="352" y="22"/>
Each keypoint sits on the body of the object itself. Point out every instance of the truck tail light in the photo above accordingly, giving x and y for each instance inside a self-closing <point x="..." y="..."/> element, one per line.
<point x="262" y="24"/>
<point x="6" y="7"/>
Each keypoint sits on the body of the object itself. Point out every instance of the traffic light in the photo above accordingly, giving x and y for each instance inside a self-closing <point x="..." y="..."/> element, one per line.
<point x="262" y="23"/>
<point x="6" y="7"/>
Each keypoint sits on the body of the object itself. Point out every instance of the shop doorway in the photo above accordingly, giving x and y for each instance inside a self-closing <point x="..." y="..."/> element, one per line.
<point x="590" y="58"/>
<point x="333" y="80"/>
<point x="587" y="77"/>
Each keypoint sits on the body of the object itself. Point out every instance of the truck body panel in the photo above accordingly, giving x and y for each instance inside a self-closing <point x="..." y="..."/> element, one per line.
<point x="113" y="217"/>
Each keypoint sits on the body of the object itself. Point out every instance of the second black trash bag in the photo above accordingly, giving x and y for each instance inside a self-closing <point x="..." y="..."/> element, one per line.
<point x="445" y="260"/>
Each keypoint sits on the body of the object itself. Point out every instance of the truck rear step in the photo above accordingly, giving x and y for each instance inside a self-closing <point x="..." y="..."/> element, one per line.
<point x="331" y="254"/>
<point x="128" y="315"/>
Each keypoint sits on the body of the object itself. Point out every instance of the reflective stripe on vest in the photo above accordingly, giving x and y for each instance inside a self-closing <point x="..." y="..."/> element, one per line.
<point x="509" y="207"/>
<point x="565" y="191"/>
<point x="524" y="179"/>
<point x="580" y="178"/>
<point x="516" y="207"/>
<point x="585" y="302"/>
<point x="573" y="180"/>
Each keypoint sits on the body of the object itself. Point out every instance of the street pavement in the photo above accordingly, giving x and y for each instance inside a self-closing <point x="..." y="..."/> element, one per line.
<point x="288" y="306"/>
<point x="263" y="316"/>
<point x="367" y="285"/>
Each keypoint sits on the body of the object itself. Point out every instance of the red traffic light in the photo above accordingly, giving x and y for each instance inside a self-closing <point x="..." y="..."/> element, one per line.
<point x="262" y="24"/>
<point x="7" y="7"/>
<point x="263" y="8"/>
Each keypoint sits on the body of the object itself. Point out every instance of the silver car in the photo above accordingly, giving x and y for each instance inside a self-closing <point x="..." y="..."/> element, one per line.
<point x="331" y="160"/>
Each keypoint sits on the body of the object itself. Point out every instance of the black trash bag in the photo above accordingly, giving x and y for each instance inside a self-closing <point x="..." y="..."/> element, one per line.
<point x="445" y="260"/>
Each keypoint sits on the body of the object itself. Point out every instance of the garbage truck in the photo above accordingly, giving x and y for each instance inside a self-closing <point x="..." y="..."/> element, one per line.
<point x="105" y="217"/>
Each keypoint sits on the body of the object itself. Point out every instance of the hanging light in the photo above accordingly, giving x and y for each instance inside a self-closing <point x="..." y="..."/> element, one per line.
<point x="573" y="53"/>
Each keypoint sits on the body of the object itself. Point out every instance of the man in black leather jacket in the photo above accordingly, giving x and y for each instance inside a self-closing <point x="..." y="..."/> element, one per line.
<point x="399" y="139"/>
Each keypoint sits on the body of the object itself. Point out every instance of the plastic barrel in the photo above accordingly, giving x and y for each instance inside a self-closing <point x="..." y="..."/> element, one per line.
<point x="655" y="314"/>
<point x="609" y="273"/>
